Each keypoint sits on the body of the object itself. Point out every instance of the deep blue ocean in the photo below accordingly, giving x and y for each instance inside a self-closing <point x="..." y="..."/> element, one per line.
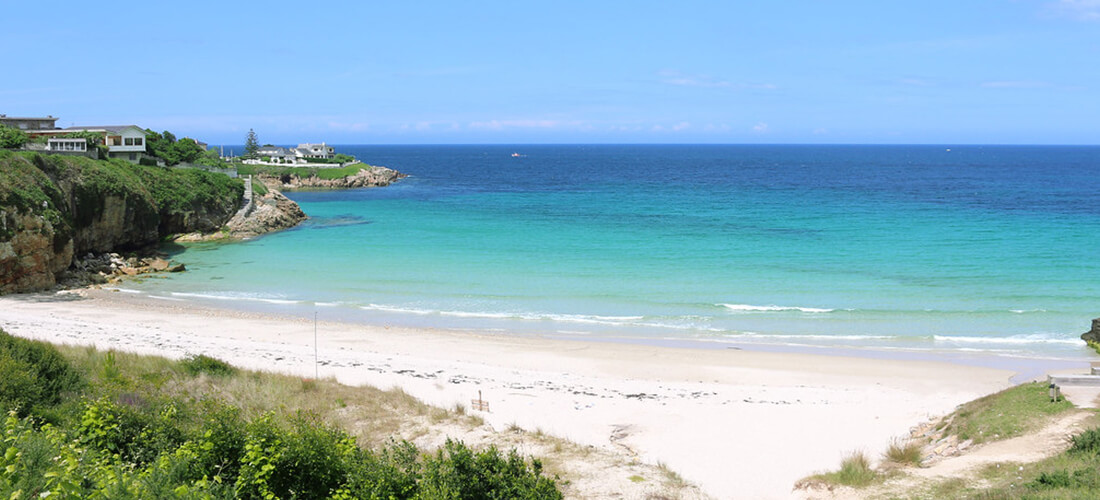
<point x="906" y="248"/>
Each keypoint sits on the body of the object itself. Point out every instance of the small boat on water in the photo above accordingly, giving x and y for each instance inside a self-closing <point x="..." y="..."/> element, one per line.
<point x="516" y="155"/>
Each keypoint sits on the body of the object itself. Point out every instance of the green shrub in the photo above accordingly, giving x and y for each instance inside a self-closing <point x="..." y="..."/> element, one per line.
<point x="33" y="375"/>
<point x="12" y="137"/>
<point x="455" y="471"/>
<point x="196" y="364"/>
<point x="1087" y="442"/>
<point x="134" y="429"/>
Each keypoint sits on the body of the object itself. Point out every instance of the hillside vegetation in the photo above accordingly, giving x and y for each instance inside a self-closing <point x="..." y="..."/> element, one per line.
<point x="87" y="424"/>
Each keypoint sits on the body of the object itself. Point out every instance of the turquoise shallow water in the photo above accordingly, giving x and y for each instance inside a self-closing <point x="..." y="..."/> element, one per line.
<point x="908" y="248"/>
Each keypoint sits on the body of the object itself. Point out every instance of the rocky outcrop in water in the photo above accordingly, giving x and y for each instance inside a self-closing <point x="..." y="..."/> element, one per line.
<point x="368" y="176"/>
<point x="272" y="212"/>
<point x="1094" y="334"/>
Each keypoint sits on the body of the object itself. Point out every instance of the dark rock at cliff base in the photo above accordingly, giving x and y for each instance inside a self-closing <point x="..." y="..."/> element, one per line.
<point x="1094" y="334"/>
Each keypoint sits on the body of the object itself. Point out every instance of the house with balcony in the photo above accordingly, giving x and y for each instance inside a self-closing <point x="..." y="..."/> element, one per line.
<point x="123" y="141"/>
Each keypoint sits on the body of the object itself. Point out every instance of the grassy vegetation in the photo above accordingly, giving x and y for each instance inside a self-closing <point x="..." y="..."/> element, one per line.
<point x="1073" y="474"/>
<point x="904" y="452"/>
<point x="159" y="201"/>
<point x="258" y="188"/>
<point x="1006" y="414"/>
<point x="116" y="425"/>
<point x="303" y="172"/>
<point x="855" y="470"/>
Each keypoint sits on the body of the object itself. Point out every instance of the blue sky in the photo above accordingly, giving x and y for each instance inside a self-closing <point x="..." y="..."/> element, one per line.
<point x="975" y="71"/>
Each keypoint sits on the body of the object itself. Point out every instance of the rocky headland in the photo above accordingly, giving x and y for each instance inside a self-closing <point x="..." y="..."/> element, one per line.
<point x="366" y="176"/>
<point x="68" y="221"/>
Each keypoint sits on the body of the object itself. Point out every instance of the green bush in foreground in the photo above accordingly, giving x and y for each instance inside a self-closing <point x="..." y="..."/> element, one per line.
<point x="33" y="375"/>
<point x="128" y="435"/>
<point x="202" y="363"/>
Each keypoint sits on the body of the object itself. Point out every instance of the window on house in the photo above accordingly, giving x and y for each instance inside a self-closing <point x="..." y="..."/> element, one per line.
<point x="137" y="141"/>
<point x="129" y="141"/>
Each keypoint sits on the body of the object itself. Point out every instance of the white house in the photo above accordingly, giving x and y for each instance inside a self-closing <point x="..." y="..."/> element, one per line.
<point x="122" y="141"/>
<point x="321" y="150"/>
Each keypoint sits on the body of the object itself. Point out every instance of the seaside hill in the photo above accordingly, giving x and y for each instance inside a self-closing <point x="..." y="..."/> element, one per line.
<point x="54" y="208"/>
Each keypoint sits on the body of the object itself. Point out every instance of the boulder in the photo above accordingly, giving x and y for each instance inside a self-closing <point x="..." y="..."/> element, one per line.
<point x="1094" y="334"/>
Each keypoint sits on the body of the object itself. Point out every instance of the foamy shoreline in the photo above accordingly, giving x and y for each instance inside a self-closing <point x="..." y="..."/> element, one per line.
<point x="741" y="424"/>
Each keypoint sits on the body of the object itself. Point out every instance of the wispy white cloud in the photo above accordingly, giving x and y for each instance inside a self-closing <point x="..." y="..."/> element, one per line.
<point x="760" y="128"/>
<point x="681" y="126"/>
<point x="672" y="77"/>
<point x="1083" y="10"/>
<point x="820" y="131"/>
<point x="524" y="123"/>
<point x="1016" y="84"/>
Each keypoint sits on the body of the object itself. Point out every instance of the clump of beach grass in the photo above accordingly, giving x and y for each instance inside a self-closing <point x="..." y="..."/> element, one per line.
<point x="904" y="452"/>
<point x="855" y="471"/>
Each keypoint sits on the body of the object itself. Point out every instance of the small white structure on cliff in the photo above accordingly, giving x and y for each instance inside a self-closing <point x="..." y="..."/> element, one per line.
<point x="280" y="155"/>
<point x="321" y="151"/>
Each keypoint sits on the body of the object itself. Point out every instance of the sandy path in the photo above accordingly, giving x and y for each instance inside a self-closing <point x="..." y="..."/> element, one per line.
<point x="739" y="424"/>
<point x="1051" y="440"/>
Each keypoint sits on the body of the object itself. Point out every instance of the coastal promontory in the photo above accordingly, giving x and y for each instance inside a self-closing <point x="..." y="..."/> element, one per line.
<point x="54" y="208"/>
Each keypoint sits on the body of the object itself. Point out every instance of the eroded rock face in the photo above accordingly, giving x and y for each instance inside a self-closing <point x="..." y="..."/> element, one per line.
<point x="119" y="224"/>
<point x="1094" y="334"/>
<point x="29" y="260"/>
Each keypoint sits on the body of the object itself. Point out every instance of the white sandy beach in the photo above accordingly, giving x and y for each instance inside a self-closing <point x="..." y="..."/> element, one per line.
<point x="739" y="424"/>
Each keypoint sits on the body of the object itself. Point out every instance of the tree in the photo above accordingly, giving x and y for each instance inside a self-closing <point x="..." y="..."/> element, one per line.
<point x="251" y="144"/>
<point x="167" y="148"/>
<point x="12" y="137"/>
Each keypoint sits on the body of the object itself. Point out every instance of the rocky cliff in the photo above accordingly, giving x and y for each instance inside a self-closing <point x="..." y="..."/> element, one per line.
<point x="54" y="207"/>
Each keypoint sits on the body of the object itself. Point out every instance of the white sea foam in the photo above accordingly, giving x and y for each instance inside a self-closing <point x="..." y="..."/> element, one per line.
<point x="161" y="297"/>
<point x="1015" y="339"/>
<point x="769" y="336"/>
<point x="237" y="297"/>
<point x="773" y="308"/>
<point x="124" y="290"/>
<point x="399" y="310"/>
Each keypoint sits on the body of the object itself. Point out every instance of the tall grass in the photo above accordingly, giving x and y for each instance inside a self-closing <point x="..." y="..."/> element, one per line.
<point x="906" y="452"/>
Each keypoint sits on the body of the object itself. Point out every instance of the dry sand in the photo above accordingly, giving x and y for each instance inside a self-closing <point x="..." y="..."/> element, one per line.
<point x="738" y="424"/>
